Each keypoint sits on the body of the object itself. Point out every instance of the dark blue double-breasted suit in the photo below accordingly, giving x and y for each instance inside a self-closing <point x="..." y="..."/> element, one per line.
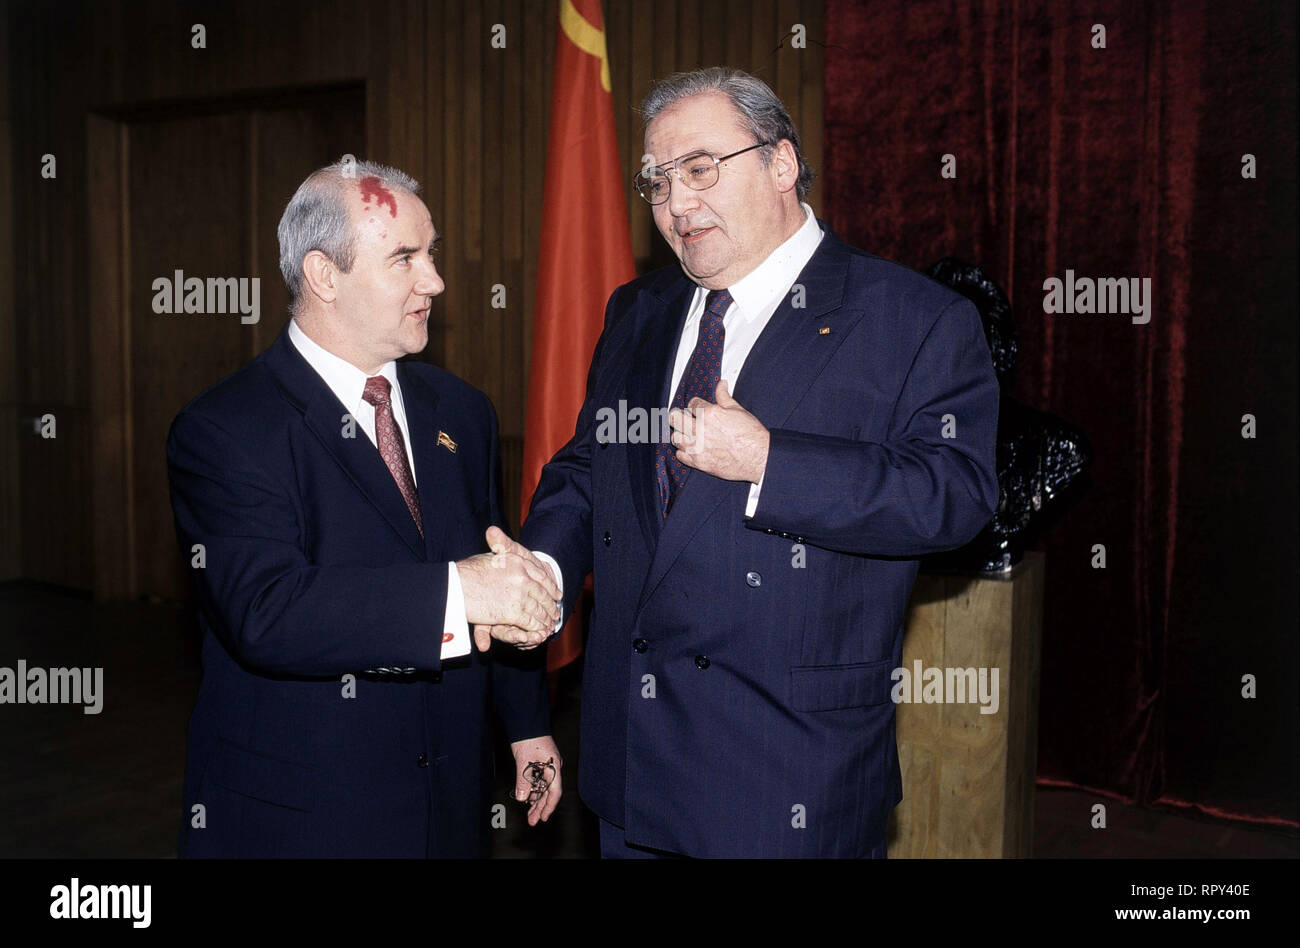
<point x="313" y="580"/>
<point x="736" y="691"/>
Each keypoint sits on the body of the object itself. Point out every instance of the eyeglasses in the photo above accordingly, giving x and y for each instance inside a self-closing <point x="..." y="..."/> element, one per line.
<point x="539" y="779"/>
<point x="698" y="171"/>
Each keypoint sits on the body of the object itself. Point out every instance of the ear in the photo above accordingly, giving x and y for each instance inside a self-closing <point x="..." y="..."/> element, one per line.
<point x="785" y="166"/>
<point x="321" y="276"/>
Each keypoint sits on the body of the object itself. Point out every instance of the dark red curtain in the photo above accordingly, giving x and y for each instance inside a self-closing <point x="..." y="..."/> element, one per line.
<point x="1122" y="161"/>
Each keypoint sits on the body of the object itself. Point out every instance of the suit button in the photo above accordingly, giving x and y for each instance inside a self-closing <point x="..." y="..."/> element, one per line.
<point x="422" y="760"/>
<point x="769" y="531"/>
<point x="640" y="645"/>
<point x="437" y="678"/>
<point x="701" y="661"/>
<point x="753" y="579"/>
<point x="606" y="538"/>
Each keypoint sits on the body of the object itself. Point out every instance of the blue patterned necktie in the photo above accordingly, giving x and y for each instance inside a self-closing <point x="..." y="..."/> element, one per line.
<point x="700" y="380"/>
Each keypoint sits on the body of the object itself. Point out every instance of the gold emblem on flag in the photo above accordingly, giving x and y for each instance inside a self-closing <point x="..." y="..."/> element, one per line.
<point x="445" y="442"/>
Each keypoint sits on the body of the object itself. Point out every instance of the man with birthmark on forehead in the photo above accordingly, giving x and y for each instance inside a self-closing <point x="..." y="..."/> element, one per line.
<point x="833" y="419"/>
<point x="341" y="506"/>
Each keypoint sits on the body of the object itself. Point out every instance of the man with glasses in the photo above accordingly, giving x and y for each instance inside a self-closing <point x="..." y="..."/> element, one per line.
<point x="833" y="418"/>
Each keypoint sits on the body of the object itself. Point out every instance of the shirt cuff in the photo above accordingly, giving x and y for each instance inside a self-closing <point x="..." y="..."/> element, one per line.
<point x="752" y="504"/>
<point x="455" y="625"/>
<point x="559" y="581"/>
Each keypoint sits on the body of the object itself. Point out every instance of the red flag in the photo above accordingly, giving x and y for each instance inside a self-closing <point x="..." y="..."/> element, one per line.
<point x="586" y="252"/>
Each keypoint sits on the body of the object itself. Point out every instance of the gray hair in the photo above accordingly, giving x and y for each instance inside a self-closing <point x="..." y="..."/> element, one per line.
<point x="316" y="218"/>
<point x="759" y="108"/>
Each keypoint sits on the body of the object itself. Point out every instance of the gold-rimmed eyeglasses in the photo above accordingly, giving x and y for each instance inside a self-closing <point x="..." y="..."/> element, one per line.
<point x="698" y="171"/>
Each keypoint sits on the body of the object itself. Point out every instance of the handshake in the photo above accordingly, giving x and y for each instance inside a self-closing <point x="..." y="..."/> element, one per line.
<point x="510" y="594"/>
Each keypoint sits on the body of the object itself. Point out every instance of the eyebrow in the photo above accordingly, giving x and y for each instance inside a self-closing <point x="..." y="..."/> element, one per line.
<point x="713" y="152"/>
<point x="404" y="251"/>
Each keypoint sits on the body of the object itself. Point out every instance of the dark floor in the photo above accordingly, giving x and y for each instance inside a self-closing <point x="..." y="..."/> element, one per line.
<point x="109" y="785"/>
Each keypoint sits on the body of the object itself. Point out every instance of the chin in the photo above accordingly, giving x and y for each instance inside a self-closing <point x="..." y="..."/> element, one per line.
<point x="415" y="343"/>
<point x="700" y="271"/>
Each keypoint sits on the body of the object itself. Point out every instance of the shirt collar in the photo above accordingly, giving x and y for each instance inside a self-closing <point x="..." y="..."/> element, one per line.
<point x="344" y="379"/>
<point x="758" y="290"/>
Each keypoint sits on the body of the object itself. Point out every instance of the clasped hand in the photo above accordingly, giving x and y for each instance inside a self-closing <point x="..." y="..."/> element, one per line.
<point x="510" y="594"/>
<point x="720" y="438"/>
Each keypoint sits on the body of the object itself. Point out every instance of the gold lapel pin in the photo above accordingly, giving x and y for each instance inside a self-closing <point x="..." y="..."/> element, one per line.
<point x="445" y="442"/>
<point x="824" y="331"/>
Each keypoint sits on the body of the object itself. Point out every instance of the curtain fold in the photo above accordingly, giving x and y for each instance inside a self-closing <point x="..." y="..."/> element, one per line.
<point x="1122" y="160"/>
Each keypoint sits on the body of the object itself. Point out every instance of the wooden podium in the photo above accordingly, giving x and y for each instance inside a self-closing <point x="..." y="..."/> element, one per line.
<point x="968" y="777"/>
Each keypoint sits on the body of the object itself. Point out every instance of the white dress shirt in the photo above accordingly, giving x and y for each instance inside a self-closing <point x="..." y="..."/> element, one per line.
<point x="755" y="297"/>
<point x="348" y="383"/>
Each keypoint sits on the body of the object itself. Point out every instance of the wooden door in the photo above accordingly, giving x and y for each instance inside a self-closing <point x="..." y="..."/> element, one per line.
<point x="192" y="191"/>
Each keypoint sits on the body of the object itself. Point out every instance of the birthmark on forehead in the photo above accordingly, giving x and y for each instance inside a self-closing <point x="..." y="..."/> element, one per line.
<point x="373" y="189"/>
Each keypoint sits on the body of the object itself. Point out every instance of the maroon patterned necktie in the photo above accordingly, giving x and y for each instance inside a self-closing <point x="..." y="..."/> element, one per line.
<point x="392" y="447"/>
<point x="700" y="379"/>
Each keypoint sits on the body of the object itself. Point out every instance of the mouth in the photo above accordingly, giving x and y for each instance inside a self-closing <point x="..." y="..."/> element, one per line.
<point x="695" y="235"/>
<point x="419" y="314"/>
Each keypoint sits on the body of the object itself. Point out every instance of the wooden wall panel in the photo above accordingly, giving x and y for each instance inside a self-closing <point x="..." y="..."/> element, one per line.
<point x="467" y="120"/>
<point x="112" y="544"/>
<point x="51" y="303"/>
<point x="11" y="537"/>
<point x="173" y="357"/>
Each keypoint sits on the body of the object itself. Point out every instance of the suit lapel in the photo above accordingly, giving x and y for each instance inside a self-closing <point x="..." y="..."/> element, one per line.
<point x="787" y="358"/>
<point x="796" y="344"/>
<point x="358" y="457"/>
<point x="433" y="464"/>
<point x="663" y="317"/>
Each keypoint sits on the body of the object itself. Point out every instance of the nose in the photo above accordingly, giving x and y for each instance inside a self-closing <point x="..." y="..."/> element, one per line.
<point x="429" y="282"/>
<point x="681" y="199"/>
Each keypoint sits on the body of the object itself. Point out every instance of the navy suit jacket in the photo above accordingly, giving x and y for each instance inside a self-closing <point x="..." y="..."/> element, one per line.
<point x="736" y="693"/>
<point x="314" y="570"/>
